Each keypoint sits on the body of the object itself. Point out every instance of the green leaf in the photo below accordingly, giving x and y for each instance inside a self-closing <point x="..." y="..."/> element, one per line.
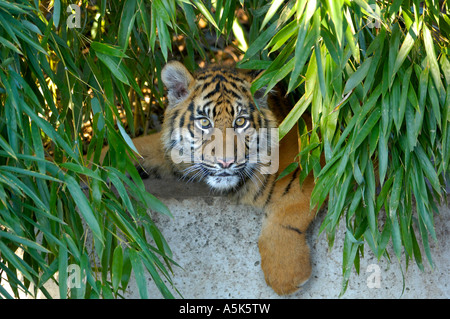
<point x="383" y="157"/>
<point x="428" y="168"/>
<point x="156" y="205"/>
<point x="202" y="8"/>
<point x="403" y="97"/>
<point x="56" y="12"/>
<point x="116" y="268"/>
<point x="114" y="65"/>
<point x="361" y="134"/>
<point x="282" y="36"/>
<point x="260" y="42"/>
<point x="410" y="128"/>
<point x="425" y="215"/>
<point x="271" y="12"/>
<point x="293" y="116"/>
<point x="289" y="169"/>
<point x="396" y="192"/>
<point x="126" y="23"/>
<point x="434" y="100"/>
<point x="127" y="138"/>
<point x="108" y="49"/>
<point x="255" y="65"/>
<point x="357" y="77"/>
<point x="63" y="268"/>
<point x="17" y="262"/>
<point x="335" y="11"/>
<point x="405" y="48"/>
<point x="138" y="271"/>
<point x="10" y="45"/>
<point x="302" y="51"/>
<point x="27" y="172"/>
<point x="84" y="208"/>
<point x="23" y="241"/>
<point x="432" y="60"/>
<point x="114" y="177"/>
<point x="394" y="102"/>
<point x="4" y="144"/>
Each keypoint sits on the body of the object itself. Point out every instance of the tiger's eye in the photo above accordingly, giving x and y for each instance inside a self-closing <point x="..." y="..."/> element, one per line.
<point x="240" y="121"/>
<point x="205" y="123"/>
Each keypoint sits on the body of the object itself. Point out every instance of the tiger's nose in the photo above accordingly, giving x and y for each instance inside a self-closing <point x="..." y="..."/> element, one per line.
<point x="225" y="163"/>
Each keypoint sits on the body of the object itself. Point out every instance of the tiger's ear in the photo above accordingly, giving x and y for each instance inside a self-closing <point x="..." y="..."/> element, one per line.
<point x="177" y="80"/>
<point x="261" y="97"/>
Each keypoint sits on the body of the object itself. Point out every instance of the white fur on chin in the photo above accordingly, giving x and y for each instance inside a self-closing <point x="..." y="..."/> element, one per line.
<point x="222" y="183"/>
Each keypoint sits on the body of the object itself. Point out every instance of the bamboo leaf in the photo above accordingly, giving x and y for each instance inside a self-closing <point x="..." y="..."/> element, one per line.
<point x="366" y="128"/>
<point x="117" y="266"/>
<point x="63" y="268"/>
<point x="83" y="206"/>
<point x="289" y="169"/>
<point x="138" y="271"/>
<point x="431" y="55"/>
<point x="108" y="49"/>
<point x="10" y="45"/>
<point x="271" y="12"/>
<point x="126" y="23"/>
<point x="428" y="168"/>
<point x="357" y="77"/>
<point x="114" y="65"/>
<point x="403" y="97"/>
<point x="202" y="8"/>
<point x="405" y="48"/>
<point x="260" y="42"/>
<point x="127" y="138"/>
<point x="383" y="157"/>
<point x="23" y="241"/>
<point x="294" y="115"/>
<point x="56" y="12"/>
<point x="4" y="144"/>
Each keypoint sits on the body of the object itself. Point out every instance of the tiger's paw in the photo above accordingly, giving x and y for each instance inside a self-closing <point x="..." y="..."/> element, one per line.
<point x="284" y="259"/>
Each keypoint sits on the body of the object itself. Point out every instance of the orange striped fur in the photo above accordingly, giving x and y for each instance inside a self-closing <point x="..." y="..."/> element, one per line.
<point x="216" y="97"/>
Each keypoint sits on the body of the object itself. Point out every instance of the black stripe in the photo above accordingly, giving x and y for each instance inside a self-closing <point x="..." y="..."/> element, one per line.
<point x="292" y="228"/>
<point x="232" y="112"/>
<point x="189" y="127"/>
<point x="261" y="190"/>
<point x="191" y="107"/>
<point x="204" y="77"/>
<point x="234" y="85"/>
<point x="260" y="123"/>
<point x="172" y="122"/>
<point x="219" y="77"/>
<point x="181" y="124"/>
<point x="232" y="92"/>
<point x="201" y="112"/>
<point x="271" y="190"/>
<point x="286" y="190"/>
<point x="208" y="103"/>
<point x="216" y="89"/>
<point x="235" y="78"/>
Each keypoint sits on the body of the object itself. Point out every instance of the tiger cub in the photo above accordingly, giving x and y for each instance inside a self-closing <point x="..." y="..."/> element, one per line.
<point x="215" y="131"/>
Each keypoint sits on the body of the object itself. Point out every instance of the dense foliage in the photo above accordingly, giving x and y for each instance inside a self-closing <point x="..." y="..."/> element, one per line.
<point x="374" y="75"/>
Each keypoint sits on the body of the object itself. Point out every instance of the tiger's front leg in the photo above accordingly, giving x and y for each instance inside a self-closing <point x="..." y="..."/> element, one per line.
<point x="285" y="258"/>
<point x="151" y="156"/>
<point x="152" y="159"/>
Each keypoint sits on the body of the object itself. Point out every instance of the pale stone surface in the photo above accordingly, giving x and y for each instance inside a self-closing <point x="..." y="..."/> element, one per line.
<point x="215" y="243"/>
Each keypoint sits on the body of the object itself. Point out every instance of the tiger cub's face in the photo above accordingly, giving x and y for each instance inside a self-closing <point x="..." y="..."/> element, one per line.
<point x="213" y="130"/>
